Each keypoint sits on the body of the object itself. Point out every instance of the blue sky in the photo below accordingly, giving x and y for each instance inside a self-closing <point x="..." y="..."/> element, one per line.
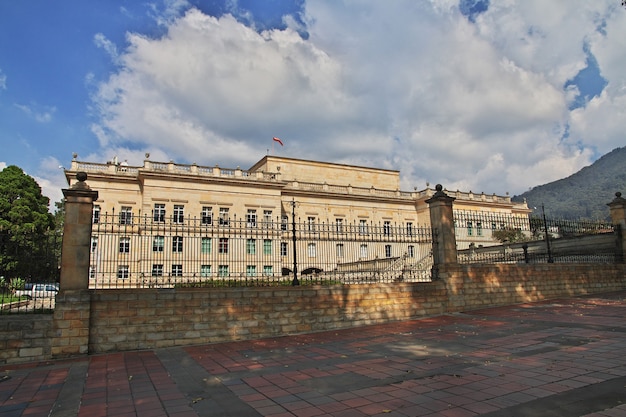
<point x="478" y="95"/>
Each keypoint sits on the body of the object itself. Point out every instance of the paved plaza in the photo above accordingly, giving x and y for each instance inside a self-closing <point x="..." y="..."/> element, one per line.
<point x="564" y="357"/>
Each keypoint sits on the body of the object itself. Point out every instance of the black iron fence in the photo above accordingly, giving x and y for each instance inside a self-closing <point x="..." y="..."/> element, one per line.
<point x="29" y="271"/>
<point x="154" y="251"/>
<point x="496" y="237"/>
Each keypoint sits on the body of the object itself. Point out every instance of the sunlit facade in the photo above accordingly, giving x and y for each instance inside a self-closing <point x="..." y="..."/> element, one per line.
<point x="231" y="222"/>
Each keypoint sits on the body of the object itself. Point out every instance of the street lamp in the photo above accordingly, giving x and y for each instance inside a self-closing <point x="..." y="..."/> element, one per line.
<point x="545" y="227"/>
<point x="295" y="281"/>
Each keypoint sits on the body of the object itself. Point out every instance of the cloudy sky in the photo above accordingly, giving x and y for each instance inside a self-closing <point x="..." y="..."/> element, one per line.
<point x="492" y="96"/>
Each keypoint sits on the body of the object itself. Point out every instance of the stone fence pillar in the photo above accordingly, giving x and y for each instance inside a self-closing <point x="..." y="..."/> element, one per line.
<point x="77" y="235"/>
<point x="72" y="309"/>
<point x="618" y="218"/>
<point x="442" y="222"/>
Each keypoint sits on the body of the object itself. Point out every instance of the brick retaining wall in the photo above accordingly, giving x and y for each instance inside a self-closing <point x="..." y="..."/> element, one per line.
<point x="25" y="338"/>
<point x="142" y="319"/>
<point x="139" y="319"/>
<point x="118" y="320"/>
<point x="477" y="286"/>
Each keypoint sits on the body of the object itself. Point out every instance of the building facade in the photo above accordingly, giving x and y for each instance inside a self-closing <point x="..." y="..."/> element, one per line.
<point x="168" y="220"/>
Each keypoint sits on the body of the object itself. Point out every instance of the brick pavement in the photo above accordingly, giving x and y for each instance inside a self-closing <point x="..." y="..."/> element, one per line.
<point x="563" y="357"/>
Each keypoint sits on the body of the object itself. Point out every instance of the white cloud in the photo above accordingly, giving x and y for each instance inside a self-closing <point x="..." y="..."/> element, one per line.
<point x="41" y="114"/>
<point x="51" y="179"/>
<point x="409" y="85"/>
<point x="3" y="80"/>
<point x="109" y="47"/>
<point x="602" y="122"/>
<point x="215" y="84"/>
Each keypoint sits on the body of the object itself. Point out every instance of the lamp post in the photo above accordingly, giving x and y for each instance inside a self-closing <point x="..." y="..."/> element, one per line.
<point x="295" y="281"/>
<point x="545" y="227"/>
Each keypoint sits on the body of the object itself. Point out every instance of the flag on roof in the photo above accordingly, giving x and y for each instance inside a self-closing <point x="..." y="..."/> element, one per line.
<point x="275" y="139"/>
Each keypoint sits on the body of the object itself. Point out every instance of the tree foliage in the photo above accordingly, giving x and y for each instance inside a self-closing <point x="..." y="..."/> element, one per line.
<point x="26" y="228"/>
<point x="509" y="235"/>
<point x="22" y="206"/>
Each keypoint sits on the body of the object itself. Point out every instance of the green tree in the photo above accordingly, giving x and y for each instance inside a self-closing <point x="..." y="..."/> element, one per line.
<point x="59" y="216"/>
<point x="25" y="226"/>
<point x="509" y="235"/>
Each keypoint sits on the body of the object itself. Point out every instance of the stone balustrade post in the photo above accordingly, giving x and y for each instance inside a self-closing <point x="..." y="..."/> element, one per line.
<point x="77" y="235"/>
<point x="442" y="223"/>
<point x="617" y="208"/>
<point x="70" y="325"/>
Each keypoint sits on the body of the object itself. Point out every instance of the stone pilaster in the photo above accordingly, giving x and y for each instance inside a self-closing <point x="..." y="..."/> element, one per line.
<point x="77" y="235"/>
<point x="442" y="222"/>
<point x="618" y="217"/>
<point x="70" y="325"/>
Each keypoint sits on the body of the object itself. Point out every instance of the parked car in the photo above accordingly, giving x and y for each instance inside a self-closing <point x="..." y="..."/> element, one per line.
<point x="26" y="291"/>
<point x="34" y="290"/>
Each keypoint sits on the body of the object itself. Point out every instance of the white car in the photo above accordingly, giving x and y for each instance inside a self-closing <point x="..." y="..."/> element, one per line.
<point x="34" y="291"/>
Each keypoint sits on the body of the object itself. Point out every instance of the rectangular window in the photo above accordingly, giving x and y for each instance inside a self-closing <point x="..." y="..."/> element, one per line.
<point x="177" y="244"/>
<point x="96" y="214"/>
<point x="224" y="219"/>
<point x="207" y="215"/>
<point x="94" y="244"/>
<point x="251" y="247"/>
<point x="251" y="270"/>
<point x="267" y="218"/>
<point x="177" y="270"/>
<point x="157" y="270"/>
<point x="388" y="251"/>
<point x="339" y="225"/>
<point x="206" y="245"/>
<point x="363" y="251"/>
<point x="122" y="272"/>
<point x="205" y="271"/>
<point x="159" y="213"/>
<point x="268" y="270"/>
<point x="158" y="243"/>
<point x="251" y="218"/>
<point x="284" y="221"/>
<point x="126" y="215"/>
<point x="312" y="250"/>
<point x="409" y="229"/>
<point x="124" y="245"/>
<point x="283" y="249"/>
<point x="222" y="271"/>
<point x="92" y="272"/>
<point x="411" y="251"/>
<point x="386" y="228"/>
<point x="479" y="229"/>
<point x="362" y="227"/>
<point x="339" y="250"/>
<point x="310" y="223"/>
<point x="470" y="230"/>
<point x="179" y="213"/>
<point x="267" y="247"/>
<point x="222" y="246"/>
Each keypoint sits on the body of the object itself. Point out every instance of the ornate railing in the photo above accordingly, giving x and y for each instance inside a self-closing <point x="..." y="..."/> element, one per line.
<point x="142" y="252"/>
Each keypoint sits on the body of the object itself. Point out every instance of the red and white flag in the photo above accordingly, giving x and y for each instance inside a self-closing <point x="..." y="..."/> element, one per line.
<point x="275" y="139"/>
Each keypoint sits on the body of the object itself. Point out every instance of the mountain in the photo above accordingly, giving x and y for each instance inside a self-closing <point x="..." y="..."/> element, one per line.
<point x="585" y="194"/>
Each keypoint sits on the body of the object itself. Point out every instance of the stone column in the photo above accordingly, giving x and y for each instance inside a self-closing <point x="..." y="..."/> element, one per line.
<point x="72" y="309"/>
<point x="442" y="223"/>
<point x="617" y="208"/>
<point x="77" y="235"/>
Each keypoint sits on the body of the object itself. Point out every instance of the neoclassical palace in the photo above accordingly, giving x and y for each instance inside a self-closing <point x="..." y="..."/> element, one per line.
<point x="344" y="215"/>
